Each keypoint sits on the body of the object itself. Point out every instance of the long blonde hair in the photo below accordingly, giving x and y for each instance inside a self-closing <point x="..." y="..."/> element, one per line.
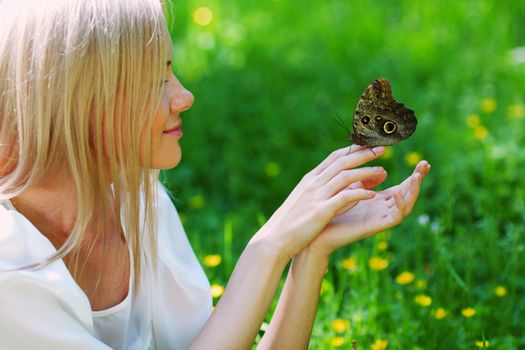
<point x="79" y="81"/>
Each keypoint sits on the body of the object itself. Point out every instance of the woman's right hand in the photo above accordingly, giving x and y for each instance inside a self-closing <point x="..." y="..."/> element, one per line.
<point x="320" y="195"/>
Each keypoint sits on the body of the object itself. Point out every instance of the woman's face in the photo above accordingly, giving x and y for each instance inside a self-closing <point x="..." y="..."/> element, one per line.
<point x="166" y="131"/>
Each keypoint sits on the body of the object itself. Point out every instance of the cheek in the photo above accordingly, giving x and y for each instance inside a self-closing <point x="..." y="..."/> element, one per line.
<point x="156" y="130"/>
<point x="161" y="116"/>
<point x="158" y="125"/>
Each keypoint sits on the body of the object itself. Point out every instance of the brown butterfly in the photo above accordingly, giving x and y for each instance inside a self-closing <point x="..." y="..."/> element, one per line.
<point x="379" y="120"/>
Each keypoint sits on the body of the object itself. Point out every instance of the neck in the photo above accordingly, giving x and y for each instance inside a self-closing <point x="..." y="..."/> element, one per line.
<point x="51" y="207"/>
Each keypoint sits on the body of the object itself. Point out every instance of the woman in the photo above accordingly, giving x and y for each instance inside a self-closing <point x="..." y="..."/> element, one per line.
<point x="92" y="253"/>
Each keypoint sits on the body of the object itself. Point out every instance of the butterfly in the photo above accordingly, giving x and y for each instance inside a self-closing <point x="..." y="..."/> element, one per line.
<point x="379" y="120"/>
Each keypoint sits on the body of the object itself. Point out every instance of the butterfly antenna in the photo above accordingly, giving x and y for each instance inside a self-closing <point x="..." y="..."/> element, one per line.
<point x="339" y="121"/>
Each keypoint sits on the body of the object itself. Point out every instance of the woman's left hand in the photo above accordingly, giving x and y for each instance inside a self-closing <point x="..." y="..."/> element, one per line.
<point x="369" y="217"/>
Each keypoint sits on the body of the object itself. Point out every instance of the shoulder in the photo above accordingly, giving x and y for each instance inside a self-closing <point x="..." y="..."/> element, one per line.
<point x="183" y="298"/>
<point x="175" y="251"/>
<point x="20" y="242"/>
<point x="22" y="245"/>
<point x="168" y="217"/>
<point x="171" y="234"/>
<point x="165" y="204"/>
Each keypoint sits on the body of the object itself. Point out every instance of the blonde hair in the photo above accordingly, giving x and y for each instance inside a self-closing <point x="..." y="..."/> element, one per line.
<point x="79" y="81"/>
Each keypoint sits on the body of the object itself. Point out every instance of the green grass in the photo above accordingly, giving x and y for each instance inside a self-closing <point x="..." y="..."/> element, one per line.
<point x="269" y="77"/>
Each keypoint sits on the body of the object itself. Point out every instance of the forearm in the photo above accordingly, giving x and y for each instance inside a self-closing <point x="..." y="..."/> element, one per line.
<point x="241" y="310"/>
<point x="292" y="322"/>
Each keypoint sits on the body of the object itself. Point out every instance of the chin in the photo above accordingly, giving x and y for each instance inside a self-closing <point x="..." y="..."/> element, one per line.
<point x="165" y="164"/>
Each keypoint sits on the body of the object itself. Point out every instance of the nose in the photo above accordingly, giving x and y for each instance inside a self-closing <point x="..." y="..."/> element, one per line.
<point x="182" y="100"/>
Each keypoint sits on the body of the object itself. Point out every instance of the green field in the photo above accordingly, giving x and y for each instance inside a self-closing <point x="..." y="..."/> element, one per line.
<point x="269" y="77"/>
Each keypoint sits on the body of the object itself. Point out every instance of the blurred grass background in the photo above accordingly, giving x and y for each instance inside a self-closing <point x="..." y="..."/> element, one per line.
<point x="269" y="77"/>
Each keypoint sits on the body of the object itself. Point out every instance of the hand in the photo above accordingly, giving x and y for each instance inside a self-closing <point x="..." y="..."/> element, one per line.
<point x="318" y="198"/>
<point x="368" y="217"/>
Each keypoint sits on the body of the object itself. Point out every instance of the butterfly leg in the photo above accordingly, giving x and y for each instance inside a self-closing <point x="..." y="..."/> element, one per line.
<point x="355" y="148"/>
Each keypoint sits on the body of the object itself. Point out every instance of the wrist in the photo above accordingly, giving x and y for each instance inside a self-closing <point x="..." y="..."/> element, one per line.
<point x="268" y="250"/>
<point x="315" y="256"/>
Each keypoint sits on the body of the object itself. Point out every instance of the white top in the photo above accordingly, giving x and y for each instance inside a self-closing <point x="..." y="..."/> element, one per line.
<point x="46" y="308"/>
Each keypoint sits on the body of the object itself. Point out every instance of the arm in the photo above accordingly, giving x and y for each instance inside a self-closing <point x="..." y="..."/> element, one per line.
<point x="291" y="325"/>
<point x="309" y="208"/>
<point x="293" y="319"/>
<point x="240" y="312"/>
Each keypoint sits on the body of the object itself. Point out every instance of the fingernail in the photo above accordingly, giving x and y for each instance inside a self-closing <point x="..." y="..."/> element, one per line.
<point x="378" y="149"/>
<point x="371" y="194"/>
<point x="379" y="169"/>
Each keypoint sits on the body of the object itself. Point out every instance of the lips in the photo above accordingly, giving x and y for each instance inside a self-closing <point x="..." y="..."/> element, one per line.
<point x="172" y="129"/>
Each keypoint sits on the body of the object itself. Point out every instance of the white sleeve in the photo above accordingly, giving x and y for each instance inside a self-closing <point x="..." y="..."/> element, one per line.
<point x="33" y="316"/>
<point x="183" y="301"/>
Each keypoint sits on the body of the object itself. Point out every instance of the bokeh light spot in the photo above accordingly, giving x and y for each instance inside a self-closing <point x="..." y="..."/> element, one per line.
<point x="203" y="16"/>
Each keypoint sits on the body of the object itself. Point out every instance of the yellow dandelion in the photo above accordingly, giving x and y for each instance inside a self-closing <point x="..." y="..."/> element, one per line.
<point x="196" y="202"/>
<point x="516" y="111"/>
<point x="379" y="344"/>
<point x="337" y="342"/>
<point x="272" y="169"/>
<point x="216" y="290"/>
<point x="483" y="344"/>
<point x="413" y="158"/>
<point x="212" y="260"/>
<point x="383" y="245"/>
<point x="203" y="16"/>
<point x="468" y="312"/>
<point x="440" y="313"/>
<point x="350" y="263"/>
<point x="423" y="300"/>
<point x="377" y="263"/>
<point x="473" y="120"/>
<point x="405" y="278"/>
<point x="500" y="291"/>
<point x="481" y="132"/>
<point x="340" y="325"/>
<point x="488" y="105"/>
<point x="421" y="284"/>
<point x="388" y="153"/>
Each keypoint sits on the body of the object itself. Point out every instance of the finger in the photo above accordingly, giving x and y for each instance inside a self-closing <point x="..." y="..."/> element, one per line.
<point x="355" y="148"/>
<point x="412" y="193"/>
<point x="400" y="203"/>
<point x="413" y="185"/>
<point x="375" y="181"/>
<point x="346" y="197"/>
<point x="330" y="159"/>
<point x="350" y="161"/>
<point x="371" y="182"/>
<point x="423" y="168"/>
<point x="396" y="211"/>
<point x="348" y="177"/>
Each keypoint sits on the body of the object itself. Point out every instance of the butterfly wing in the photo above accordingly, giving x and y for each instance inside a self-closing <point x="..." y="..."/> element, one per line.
<point x="379" y="120"/>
